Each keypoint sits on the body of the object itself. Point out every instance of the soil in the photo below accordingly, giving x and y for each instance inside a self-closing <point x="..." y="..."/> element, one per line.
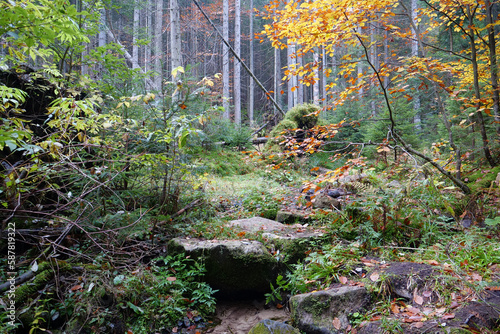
<point x="238" y="317"/>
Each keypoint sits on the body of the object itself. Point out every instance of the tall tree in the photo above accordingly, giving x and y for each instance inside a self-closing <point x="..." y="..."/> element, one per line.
<point x="414" y="53"/>
<point x="175" y="35"/>
<point x="225" y="60"/>
<point x="251" y="86"/>
<point x="237" y="66"/>
<point x="135" y="36"/>
<point x="158" y="41"/>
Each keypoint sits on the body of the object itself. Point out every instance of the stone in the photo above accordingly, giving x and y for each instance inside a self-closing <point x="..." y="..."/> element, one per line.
<point x="314" y="312"/>
<point x="405" y="277"/>
<point x="288" y="243"/>
<point x="323" y="201"/>
<point x="237" y="268"/>
<point x="273" y="327"/>
<point x="289" y="217"/>
<point x="256" y="224"/>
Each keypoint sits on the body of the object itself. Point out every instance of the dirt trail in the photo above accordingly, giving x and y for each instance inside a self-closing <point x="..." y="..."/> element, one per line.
<point x="238" y="317"/>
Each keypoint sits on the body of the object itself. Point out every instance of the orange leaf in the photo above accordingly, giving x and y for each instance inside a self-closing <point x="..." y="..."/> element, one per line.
<point x="394" y="308"/>
<point x="343" y="279"/>
<point x="76" y="287"/>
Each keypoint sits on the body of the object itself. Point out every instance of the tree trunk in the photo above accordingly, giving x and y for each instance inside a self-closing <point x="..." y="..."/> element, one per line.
<point x="135" y="37"/>
<point x="417" y="121"/>
<point x="323" y="78"/>
<point x="175" y="35"/>
<point x="237" y="66"/>
<point x="225" y="59"/>
<point x="292" y="81"/>
<point x="316" y="77"/>
<point x="277" y="79"/>
<point x="300" y="87"/>
<point x="477" y="92"/>
<point x="148" y="11"/>
<point x="158" y="45"/>
<point x="491" y="21"/>
<point x="251" y="60"/>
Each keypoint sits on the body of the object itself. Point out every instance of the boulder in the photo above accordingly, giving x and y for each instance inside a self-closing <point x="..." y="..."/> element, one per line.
<point x="405" y="278"/>
<point x="288" y="243"/>
<point x="323" y="201"/>
<point x="256" y="224"/>
<point x="273" y="327"/>
<point x="315" y="312"/>
<point x="291" y="217"/>
<point x="237" y="268"/>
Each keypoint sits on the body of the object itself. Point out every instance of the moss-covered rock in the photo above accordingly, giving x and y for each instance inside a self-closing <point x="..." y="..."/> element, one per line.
<point x="234" y="267"/>
<point x="299" y="117"/>
<point x="314" y="312"/>
<point x="303" y="116"/>
<point x="273" y="327"/>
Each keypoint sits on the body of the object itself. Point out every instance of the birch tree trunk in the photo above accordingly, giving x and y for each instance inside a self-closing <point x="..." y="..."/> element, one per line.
<point x="237" y="66"/>
<point x="225" y="59"/>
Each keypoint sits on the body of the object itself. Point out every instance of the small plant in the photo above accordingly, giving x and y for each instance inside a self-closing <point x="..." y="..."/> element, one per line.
<point x="276" y="294"/>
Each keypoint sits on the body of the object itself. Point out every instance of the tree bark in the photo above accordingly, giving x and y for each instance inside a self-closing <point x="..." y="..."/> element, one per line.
<point x="251" y="88"/>
<point x="237" y="67"/>
<point x="225" y="60"/>
<point x="135" y="37"/>
<point x="477" y="92"/>
<point x="175" y="35"/>
<point x="158" y="45"/>
<point x="491" y="20"/>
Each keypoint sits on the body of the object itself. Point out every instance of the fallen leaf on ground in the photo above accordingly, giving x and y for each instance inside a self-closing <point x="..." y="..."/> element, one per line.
<point x="336" y="323"/>
<point x="448" y="316"/>
<point x="412" y="310"/>
<point x="441" y="310"/>
<point x="427" y="294"/>
<point x="394" y="308"/>
<point x="171" y="279"/>
<point x="418" y="324"/>
<point x="477" y="277"/>
<point x="413" y="318"/>
<point x="433" y="262"/>
<point x="493" y="288"/>
<point x="418" y="299"/>
<point x="374" y="277"/>
<point x="454" y="304"/>
<point x="343" y="279"/>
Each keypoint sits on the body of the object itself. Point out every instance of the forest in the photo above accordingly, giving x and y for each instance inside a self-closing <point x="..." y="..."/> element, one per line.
<point x="333" y="165"/>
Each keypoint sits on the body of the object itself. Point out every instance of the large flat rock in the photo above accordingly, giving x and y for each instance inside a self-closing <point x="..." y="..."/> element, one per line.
<point x="234" y="267"/>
